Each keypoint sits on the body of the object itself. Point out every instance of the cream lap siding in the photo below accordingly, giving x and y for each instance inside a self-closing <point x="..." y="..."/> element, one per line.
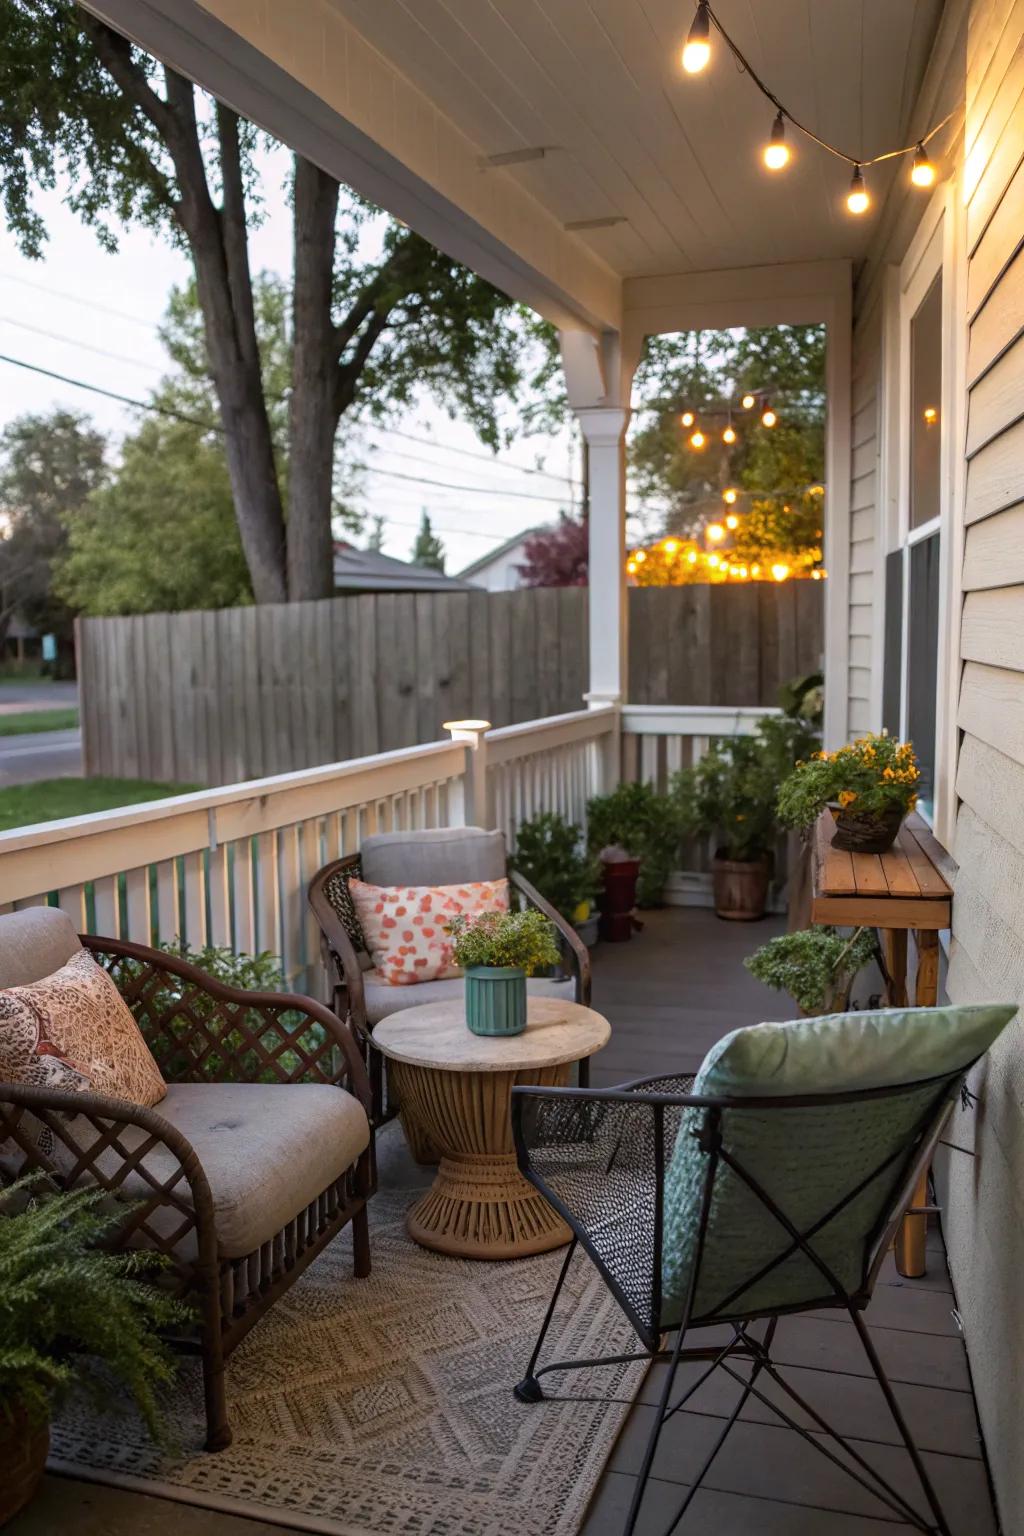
<point x="984" y="1197"/>
<point x="867" y="362"/>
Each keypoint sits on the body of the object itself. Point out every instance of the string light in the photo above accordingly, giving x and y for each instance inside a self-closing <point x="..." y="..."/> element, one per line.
<point x="631" y="567"/>
<point x="857" y="199"/>
<point x="714" y="561"/>
<point x="780" y="572"/>
<point x="729" y="435"/>
<point x="922" y="172"/>
<point x="697" y="440"/>
<point x="697" y="48"/>
<point x="768" y="417"/>
<point x="686" y="419"/>
<point x="692" y="557"/>
<point x="670" y="546"/>
<point x="776" y="152"/>
<point x="730" y="495"/>
<point x="931" y="415"/>
<point x="732" y="521"/>
<point x="640" y="557"/>
<point x="715" y="532"/>
<point x="748" y="402"/>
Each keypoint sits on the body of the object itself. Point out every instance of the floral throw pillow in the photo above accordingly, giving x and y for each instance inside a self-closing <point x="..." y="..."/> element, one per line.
<point x="405" y="925"/>
<point x="73" y="1031"/>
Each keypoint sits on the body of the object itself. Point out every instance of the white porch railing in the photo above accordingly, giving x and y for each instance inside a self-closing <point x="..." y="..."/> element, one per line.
<point x="230" y="866"/>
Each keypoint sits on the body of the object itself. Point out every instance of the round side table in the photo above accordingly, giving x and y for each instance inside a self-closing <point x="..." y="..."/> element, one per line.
<point x="457" y="1087"/>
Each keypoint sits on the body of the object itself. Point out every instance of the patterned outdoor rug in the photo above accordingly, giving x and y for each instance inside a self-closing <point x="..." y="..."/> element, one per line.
<point x="384" y="1407"/>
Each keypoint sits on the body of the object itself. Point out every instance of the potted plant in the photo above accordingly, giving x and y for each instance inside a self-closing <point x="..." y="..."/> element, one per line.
<point x="550" y="854"/>
<point x="63" y="1303"/>
<point x="497" y="951"/>
<point x="634" y="833"/>
<point x="871" y="785"/>
<point x="816" y="966"/>
<point x="730" y="795"/>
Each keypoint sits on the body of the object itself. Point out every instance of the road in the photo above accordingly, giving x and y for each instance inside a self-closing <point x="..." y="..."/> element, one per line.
<point x="50" y="755"/>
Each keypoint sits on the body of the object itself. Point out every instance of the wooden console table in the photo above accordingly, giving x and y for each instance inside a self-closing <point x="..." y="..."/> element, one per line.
<point x="906" y="890"/>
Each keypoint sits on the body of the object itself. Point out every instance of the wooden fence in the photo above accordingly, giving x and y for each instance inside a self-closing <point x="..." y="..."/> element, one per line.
<point x="221" y="697"/>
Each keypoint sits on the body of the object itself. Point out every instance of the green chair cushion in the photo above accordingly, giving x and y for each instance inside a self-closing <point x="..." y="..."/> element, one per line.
<point x="806" y="1159"/>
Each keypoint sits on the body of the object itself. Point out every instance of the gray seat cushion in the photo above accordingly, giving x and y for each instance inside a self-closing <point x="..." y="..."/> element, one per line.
<point x="382" y="999"/>
<point x="34" y="944"/>
<point x="268" y="1150"/>
<point x="438" y="856"/>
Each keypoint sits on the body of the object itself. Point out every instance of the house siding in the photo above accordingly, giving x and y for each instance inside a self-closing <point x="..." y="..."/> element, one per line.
<point x="865" y="442"/>
<point x="984" y="1196"/>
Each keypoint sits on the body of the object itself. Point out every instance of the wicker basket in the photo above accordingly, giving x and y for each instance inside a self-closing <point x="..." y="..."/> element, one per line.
<point x="857" y="832"/>
<point x="23" y="1451"/>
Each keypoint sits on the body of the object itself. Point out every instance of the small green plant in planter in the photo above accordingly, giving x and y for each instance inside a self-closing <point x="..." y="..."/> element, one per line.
<point x="497" y="951"/>
<point x="872" y="783"/>
<point x="550" y="854"/>
<point x="65" y="1303"/>
<point x="816" y="966"/>
<point x="643" y="824"/>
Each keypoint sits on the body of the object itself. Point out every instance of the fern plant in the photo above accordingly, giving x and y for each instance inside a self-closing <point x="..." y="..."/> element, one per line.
<point x="64" y="1302"/>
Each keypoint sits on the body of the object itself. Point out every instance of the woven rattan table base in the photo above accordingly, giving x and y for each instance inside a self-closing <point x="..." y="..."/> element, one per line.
<point x="479" y="1206"/>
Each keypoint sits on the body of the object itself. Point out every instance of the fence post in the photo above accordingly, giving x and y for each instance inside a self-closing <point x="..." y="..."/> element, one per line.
<point x="474" y="734"/>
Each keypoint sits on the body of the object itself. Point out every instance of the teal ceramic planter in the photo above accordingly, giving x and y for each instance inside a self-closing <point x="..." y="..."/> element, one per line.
<point x="495" y="999"/>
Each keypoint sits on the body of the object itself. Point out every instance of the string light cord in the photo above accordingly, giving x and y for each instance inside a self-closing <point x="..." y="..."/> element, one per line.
<point x="840" y="154"/>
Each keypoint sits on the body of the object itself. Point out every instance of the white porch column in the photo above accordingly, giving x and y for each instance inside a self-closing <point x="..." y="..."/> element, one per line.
<point x="604" y="428"/>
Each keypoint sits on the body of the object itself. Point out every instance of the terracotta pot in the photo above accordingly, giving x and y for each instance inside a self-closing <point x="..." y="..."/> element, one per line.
<point x="867" y="831"/>
<point x="740" y="888"/>
<point x="617" y="899"/>
<point x="24" y="1447"/>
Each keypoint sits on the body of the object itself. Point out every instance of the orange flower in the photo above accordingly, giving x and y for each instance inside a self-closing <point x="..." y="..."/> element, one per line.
<point x="846" y="797"/>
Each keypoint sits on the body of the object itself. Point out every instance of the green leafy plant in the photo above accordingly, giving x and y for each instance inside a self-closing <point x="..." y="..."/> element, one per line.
<point x="253" y="973"/>
<point x="525" y="939"/>
<point x="550" y="854"/>
<point x="870" y="776"/>
<point x="816" y="966"/>
<point x="65" y="1302"/>
<point x="646" y="825"/>
<point x="730" y="794"/>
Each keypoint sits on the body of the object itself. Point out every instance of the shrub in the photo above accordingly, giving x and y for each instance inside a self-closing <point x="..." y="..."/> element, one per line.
<point x="524" y="939"/>
<point x="647" y="825"/>
<point x="871" y="775"/>
<point x="549" y="853"/>
<point x="816" y="966"/>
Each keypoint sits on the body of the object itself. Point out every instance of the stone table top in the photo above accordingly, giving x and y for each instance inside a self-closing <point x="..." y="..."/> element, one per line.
<point x="436" y="1035"/>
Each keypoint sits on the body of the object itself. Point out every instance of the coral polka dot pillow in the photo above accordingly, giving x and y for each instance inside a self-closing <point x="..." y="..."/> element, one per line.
<point x="404" y="925"/>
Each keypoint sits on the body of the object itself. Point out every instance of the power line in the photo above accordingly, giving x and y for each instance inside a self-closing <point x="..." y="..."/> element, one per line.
<point x="477" y="490"/>
<point x="468" y="453"/>
<point x="84" y="346"/>
<point x="111" y="394"/>
<point x="76" y="298"/>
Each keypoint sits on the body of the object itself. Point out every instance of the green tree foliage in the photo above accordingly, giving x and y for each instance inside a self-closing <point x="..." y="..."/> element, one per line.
<point x="134" y="140"/>
<point x="49" y="467"/>
<point x="428" y="550"/>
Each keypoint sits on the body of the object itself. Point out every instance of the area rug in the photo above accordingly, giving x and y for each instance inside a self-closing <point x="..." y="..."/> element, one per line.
<point x="384" y="1407"/>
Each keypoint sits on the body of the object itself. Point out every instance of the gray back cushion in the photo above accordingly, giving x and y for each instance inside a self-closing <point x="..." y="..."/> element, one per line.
<point x="439" y="856"/>
<point x="34" y="944"/>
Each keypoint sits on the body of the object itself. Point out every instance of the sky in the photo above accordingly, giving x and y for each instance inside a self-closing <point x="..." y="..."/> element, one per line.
<point x="92" y="316"/>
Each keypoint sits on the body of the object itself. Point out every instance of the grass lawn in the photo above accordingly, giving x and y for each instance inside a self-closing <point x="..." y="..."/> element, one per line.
<point x="36" y="720"/>
<point x="50" y="799"/>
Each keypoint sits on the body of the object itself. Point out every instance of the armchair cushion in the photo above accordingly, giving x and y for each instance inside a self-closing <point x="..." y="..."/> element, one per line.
<point x="34" y="944"/>
<point x="267" y="1150"/>
<point x="405" y="925"/>
<point x="382" y="999"/>
<point x="436" y="856"/>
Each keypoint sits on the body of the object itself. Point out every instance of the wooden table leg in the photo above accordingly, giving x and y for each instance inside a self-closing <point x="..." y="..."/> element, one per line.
<point x="911" y="1239"/>
<point x="894" y="948"/>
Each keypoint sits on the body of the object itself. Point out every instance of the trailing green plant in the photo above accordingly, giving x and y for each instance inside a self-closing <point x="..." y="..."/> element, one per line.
<point x="551" y="855"/>
<point x="816" y="966"/>
<point x="65" y="1303"/>
<point x="646" y="825"/>
<point x="262" y="972"/>
<point x="871" y="776"/>
<point x="731" y="793"/>
<point x="525" y="939"/>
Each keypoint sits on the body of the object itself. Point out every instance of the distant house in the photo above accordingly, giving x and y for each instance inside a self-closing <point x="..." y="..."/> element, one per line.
<point x="367" y="570"/>
<point x="498" y="571"/>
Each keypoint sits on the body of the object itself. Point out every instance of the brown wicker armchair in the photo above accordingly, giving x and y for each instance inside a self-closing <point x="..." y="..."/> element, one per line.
<point x="442" y="856"/>
<point x="258" y="1156"/>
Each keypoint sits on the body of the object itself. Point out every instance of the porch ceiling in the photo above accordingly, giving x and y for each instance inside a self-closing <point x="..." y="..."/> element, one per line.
<point x="598" y="83"/>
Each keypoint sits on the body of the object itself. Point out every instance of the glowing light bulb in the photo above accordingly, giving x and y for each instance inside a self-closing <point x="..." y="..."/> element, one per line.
<point x="687" y="419"/>
<point x="670" y="546"/>
<point x="931" y="415"/>
<point x="741" y="572"/>
<point x="715" y="532"/>
<point x="697" y="48"/>
<point x="729" y="435"/>
<point x="748" y="402"/>
<point x="631" y="567"/>
<point x="815" y="575"/>
<point x="730" y="495"/>
<point x="776" y="152"/>
<point x="755" y="570"/>
<point x="780" y="572"/>
<point x="692" y="557"/>
<point x="732" y="521"/>
<point x="857" y="199"/>
<point x="768" y="417"/>
<point x="640" y="557"/>
<point x="697" y="439"/>
<point x="714" y="561"/>
<point x="923" y="171"/>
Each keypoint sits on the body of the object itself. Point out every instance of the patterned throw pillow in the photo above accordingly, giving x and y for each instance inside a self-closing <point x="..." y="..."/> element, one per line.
<point x="73" y="1031"/>
<point x="405" y="925"/>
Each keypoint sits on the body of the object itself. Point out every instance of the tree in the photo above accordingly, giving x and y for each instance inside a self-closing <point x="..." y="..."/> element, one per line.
<point x="428" y="549"/>
<point x="375" y="540"/>
<point x="556" y="556"/>
<point x="49" y="467"/>
<point x="135" y="140"/>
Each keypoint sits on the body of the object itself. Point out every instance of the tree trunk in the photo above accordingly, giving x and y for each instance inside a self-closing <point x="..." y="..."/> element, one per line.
<point x="313" y="414"/>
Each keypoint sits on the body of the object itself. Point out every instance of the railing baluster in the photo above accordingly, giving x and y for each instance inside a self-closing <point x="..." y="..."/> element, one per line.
<point x="139" y="904"/>
<point x="268" y="894"/>
<point x="220" y="898"/>
<point x="243" y="906"/>
<point x="195" y="901"/>
<point x="106" y="907"/>
<point x="168" y="902"/>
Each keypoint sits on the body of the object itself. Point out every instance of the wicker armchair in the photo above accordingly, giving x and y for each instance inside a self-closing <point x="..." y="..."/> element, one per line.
<point x="446" y="856"/>
<point x="258" y="1156"/>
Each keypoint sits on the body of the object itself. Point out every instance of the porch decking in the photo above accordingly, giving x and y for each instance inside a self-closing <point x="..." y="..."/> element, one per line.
<point x="670" y="994"/>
